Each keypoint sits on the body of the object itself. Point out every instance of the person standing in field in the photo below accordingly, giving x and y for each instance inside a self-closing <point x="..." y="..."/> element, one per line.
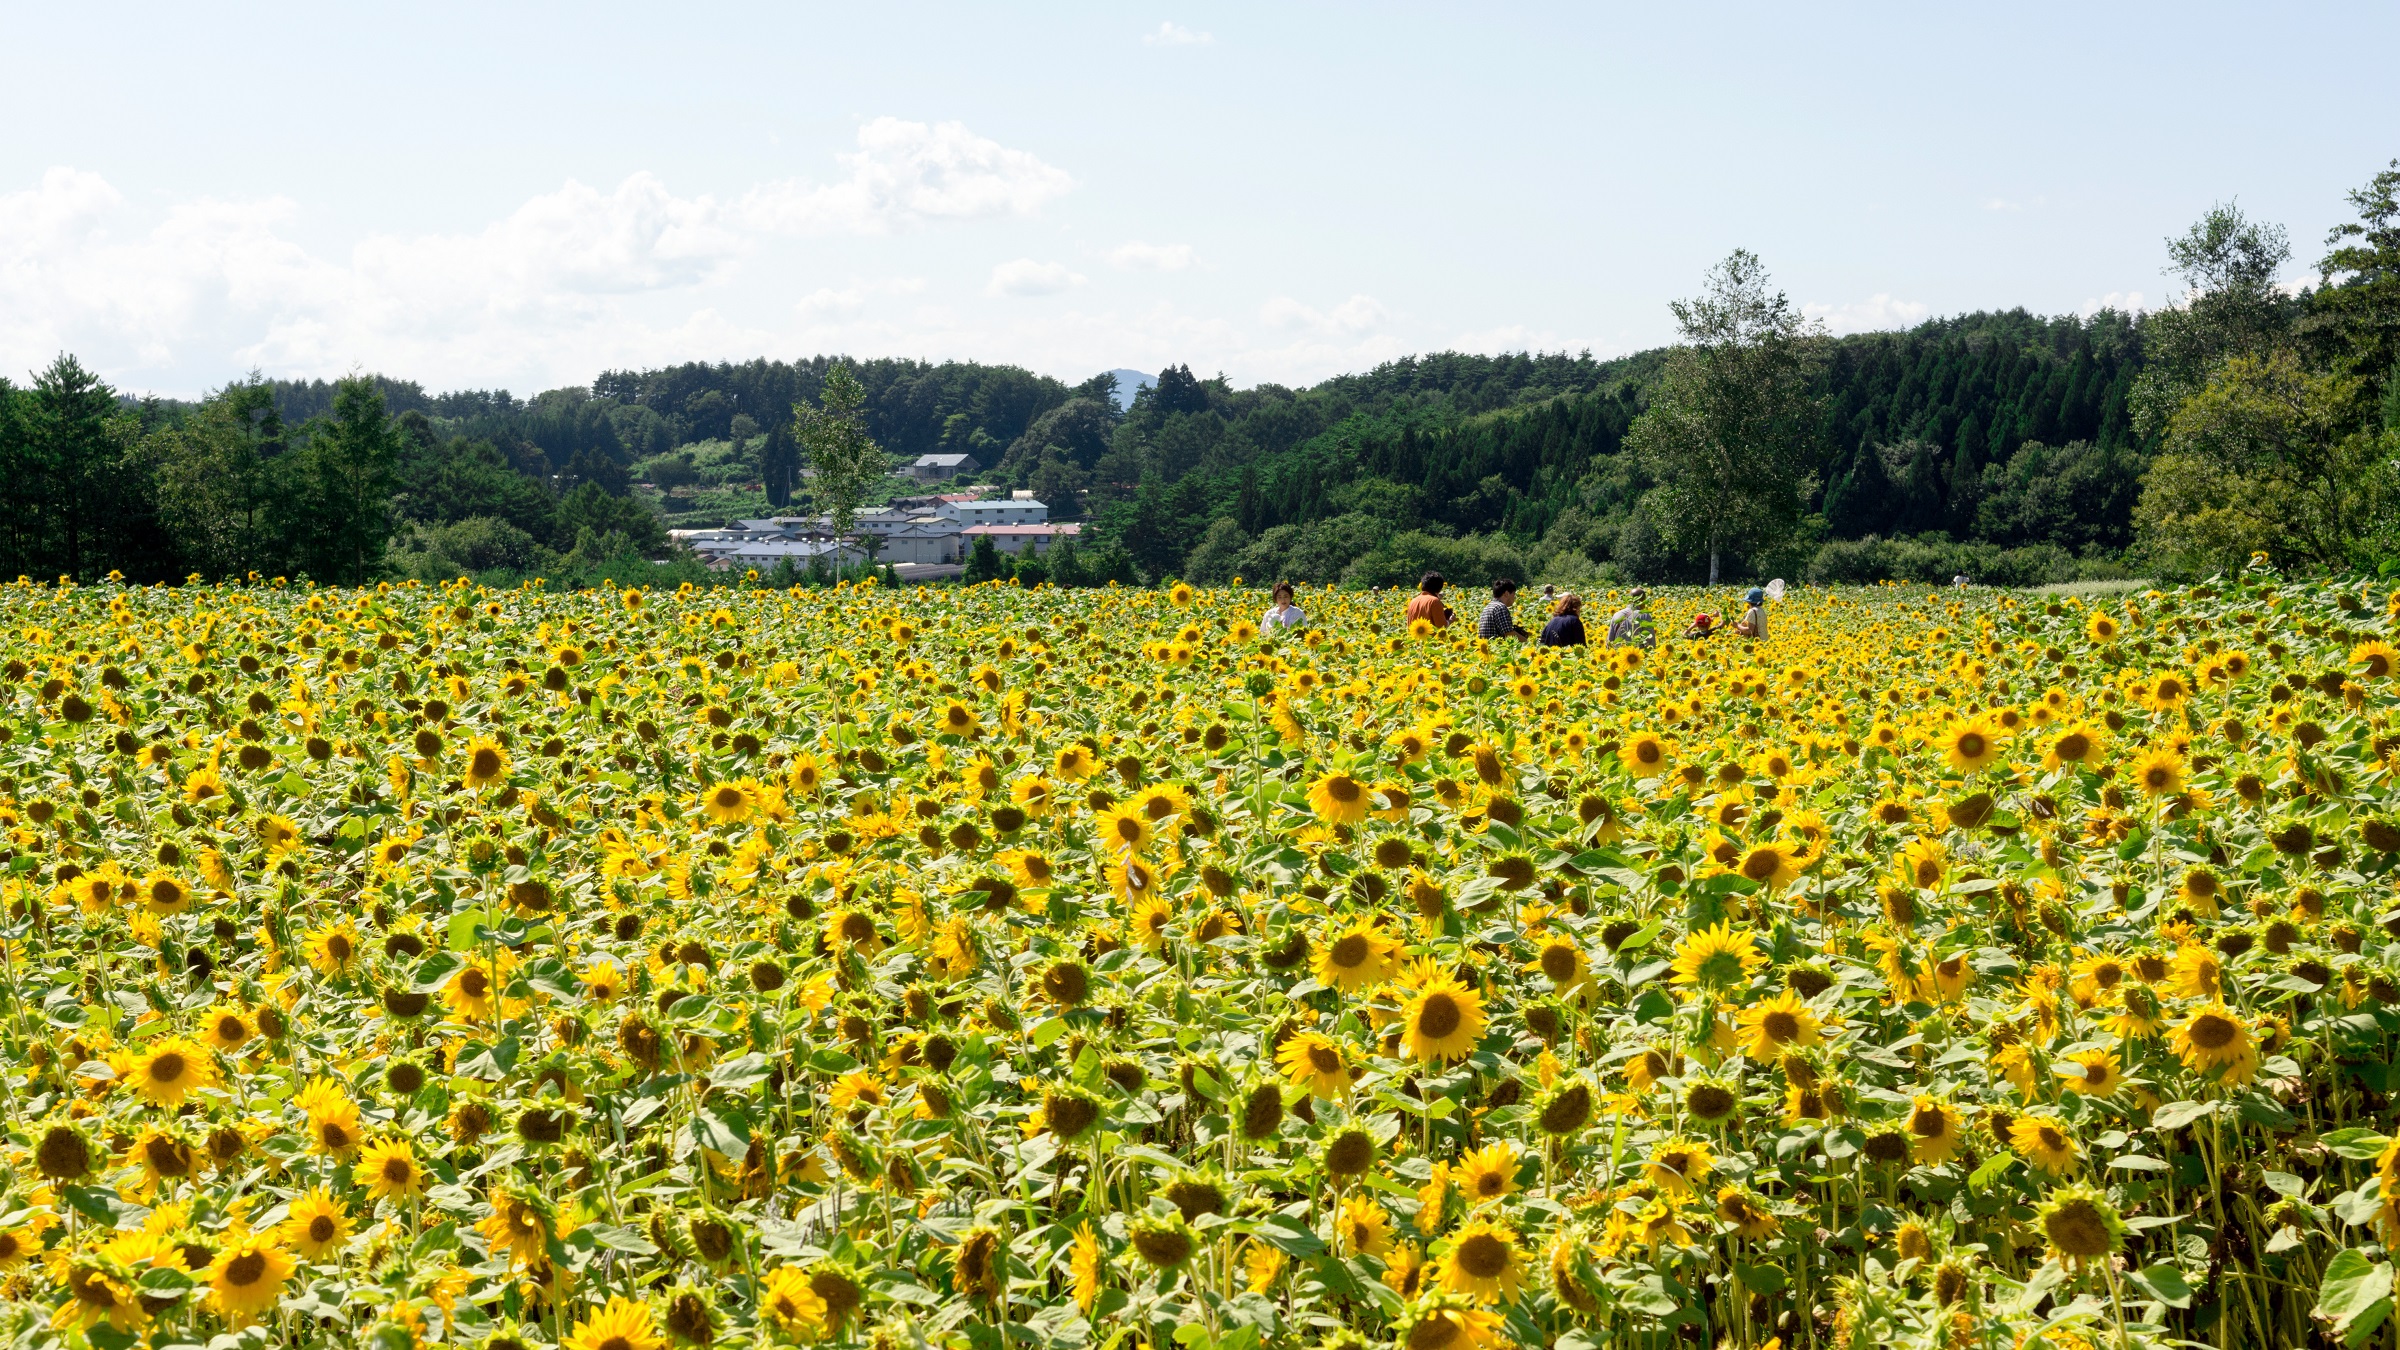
<point x="1283" y="613"/>
<point x="1632" y="625"/>
<point x="1427" y="603"/>
<point x="1753" y="623"/>
<point x="1499" y="620"/>
<point x="1565" y="628"/>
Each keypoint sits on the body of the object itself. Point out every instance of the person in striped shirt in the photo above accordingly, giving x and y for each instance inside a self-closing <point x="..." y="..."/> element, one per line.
<point x="1498" y="619"/>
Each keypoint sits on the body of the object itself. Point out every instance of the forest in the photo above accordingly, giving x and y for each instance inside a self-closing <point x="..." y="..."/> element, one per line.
<point x="2248" y="417"/>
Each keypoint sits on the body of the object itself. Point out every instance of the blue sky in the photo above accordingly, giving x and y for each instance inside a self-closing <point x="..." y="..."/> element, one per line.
<point x="521" y="195"/>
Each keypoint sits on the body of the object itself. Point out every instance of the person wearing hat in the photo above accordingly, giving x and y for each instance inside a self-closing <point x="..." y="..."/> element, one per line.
<point x="1753" y="623"/>
<point x="1632" y="623"/>
<point x="1703" y="626"/>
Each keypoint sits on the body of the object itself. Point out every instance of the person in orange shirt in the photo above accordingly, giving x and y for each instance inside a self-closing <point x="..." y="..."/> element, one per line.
<point x="1427" y="603"/>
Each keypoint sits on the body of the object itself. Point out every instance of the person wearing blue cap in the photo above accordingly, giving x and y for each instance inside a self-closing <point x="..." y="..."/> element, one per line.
<point x="1753" y="623"/>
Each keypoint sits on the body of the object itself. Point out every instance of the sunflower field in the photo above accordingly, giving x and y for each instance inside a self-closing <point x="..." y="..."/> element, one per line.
<point x="971" y="967"/>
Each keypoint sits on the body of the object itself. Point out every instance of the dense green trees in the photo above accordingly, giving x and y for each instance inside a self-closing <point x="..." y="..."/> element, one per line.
<point x="2249" y="416"/>
<point x="2278" y="416"/>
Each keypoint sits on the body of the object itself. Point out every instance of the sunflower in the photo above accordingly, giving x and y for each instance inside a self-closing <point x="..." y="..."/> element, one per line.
<point x="1133" y="880"/>
<point x="278" y="835"/>
<point x="476" y="991"/>
<point x="248" y="1276"/>
<point x="1443" y="1021"/>
<point x="730" y="802"/>
<point x="2092" y="1072"/>
<point x="1935" y="1130"/>
<point x="487" y="763"/>
<point x="1442" y="1324"/>
<point x="1033" y="796"/>
<point x="624" y="1324"/>
<point x="2072" y="744"/>
<point x="2376" y="659"/>
<point x="1364" y="1227"/>
<point x="2045" y="1142"/>
<point x="2140" y="1018"/>
<point x="1922" y="864"/>
<point x="787" y="1301"/>
<point x="1410" y="744"/>
<point x="1750" y="1220"/>
<point x="1146" y="924"/>
<point x="227" y="1028"/>
<point x="2196" y="972"/>
<point x="1338" y="799"/>
<point x="333" y="949"/>
<point x="1644" y="754"/>
<point x="1970" y="745"/>
<point x="853" y="930"/>
<point x="1074" y="763"/>
<point x="164" y="893"/>
<point x="1315" y="1061"/>
<point x="2102" y="627"/>
<point x="1488" y="1173"/>
<point x="1717" y="957"/>
<point x="1484" y="1262"/>
<point x="390" y="1170"/>
<point x="2215" y="1042"/>
<point x="316" y="1224"/>
<point x="1771" y="1027"/>
<point x="1774" y="865"/>
<point x="171" y="1069"/>
<point x="2157" y="773"/>
<point x="1678" y="1166"/>
<point x="1361" y="955"/>
<point x="518" y="1226"/>
<point x="335" y="1131"/>
<point x="2081" y="1225"/>
<point x="1119" y="830"/>
<point x="1563" y="961"/>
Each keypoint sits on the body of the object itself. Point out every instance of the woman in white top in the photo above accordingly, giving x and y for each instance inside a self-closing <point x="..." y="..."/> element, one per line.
<point x="1283" y="613"/>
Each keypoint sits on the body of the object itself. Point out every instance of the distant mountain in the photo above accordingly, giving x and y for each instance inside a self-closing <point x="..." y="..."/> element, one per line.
<point x="1130" y="383"/>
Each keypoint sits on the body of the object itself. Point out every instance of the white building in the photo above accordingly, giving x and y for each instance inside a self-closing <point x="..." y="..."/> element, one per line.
<point x="1019" y="538"/>
<point x="1010" y="512"/>
<point x="931" y="540"/>
<point x="935" y="468"/>
<point x="764" y="554"/>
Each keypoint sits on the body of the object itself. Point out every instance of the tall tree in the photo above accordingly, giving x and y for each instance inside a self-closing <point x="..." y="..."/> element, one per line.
<point x="351" y="468"/>
<point x="1731" y="431"/>
<point x="72" y="448"/>
<point x="2231" y="306"/>
<point x="2269" y="457"/>
<point x="2357" y="304"/>
<point x="217" y="483"/>
<point x="846" y="461"/>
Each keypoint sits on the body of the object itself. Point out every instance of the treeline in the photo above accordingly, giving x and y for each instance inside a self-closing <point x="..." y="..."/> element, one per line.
<point x="2011" y="447"/>
<point x="2006" y="433"/>
<point x="372" y="477"/>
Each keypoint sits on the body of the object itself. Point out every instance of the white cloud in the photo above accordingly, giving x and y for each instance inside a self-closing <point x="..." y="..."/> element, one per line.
<point x="853" y="298"/>
<point x="2131" y="302"/>
<point x="1134" y="255"/>
<point x="2002" y="204"/>
<point x="906" y="173"/>
<point x="1509" y="338"/>
<point x="1024" y="276"/>
<point x="1172" y="34"/>
<point x="1355" y="315"/>
<point x="1876" y="313"/>
<point x="560" y="286"/>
